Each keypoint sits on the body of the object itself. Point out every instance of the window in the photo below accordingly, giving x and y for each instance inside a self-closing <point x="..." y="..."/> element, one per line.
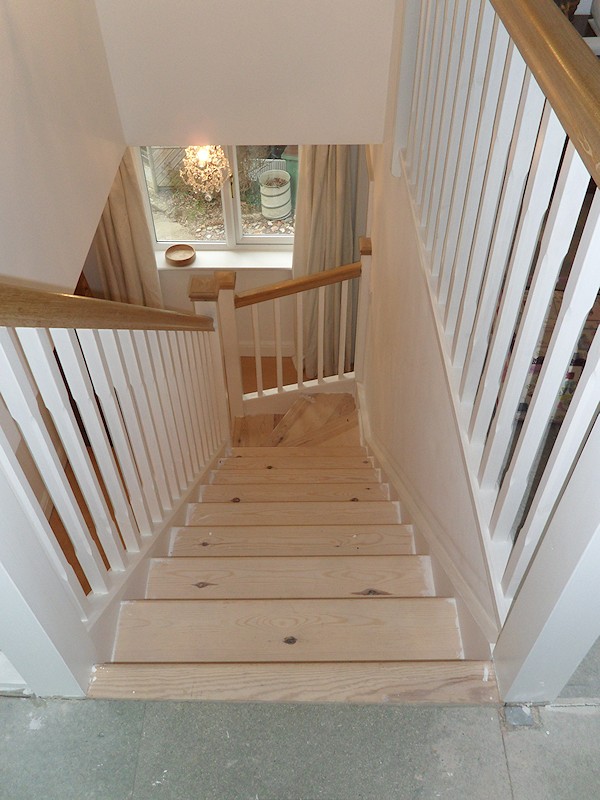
<point x="255" y="207"/>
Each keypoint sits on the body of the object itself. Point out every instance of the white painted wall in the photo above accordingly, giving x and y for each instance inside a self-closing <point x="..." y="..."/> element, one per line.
<point x="202" y="71"/>
<point x="407" y="397"/>
<point x="60" y="138"/>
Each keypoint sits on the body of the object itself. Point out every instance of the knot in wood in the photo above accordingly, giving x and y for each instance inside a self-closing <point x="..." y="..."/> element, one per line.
<point x="290" y="640"/>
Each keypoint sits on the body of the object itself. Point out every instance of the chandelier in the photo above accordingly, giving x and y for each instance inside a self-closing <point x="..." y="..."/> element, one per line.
<point x="205" y="169"/>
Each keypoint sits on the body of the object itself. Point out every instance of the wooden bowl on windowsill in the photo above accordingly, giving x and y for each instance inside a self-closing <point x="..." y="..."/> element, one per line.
<point x="180" y="255"/>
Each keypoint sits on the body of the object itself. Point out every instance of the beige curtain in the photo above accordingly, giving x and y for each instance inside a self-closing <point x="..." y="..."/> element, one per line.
<point x="326" y="235"/>
<point x="122" y="245"/>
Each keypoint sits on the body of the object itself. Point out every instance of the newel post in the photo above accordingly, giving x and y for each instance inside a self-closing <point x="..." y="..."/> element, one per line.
<point x="214" y="296"/>
<point x="362" y="317"/>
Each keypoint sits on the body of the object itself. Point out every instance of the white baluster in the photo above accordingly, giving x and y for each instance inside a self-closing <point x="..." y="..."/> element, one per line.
<point x="150" y="417"/>
<point x="278" y="351"/>
<point x="16" y="479"/>
<point x="519" y="164"/>
<point x="418" y="100"/>
<point x="343" y="325"/>
<point x="573" y="431"/>
<point x="579" y="296"/>
<point x="172" y="363"/>
<point x="166" y="379"/>
<point x="458" y="31"/>
<point x="479" y="20"/>
<point x="321" y="331"/>
<point x="207" y="383"/>
<point x="76" y="373"/>
<point x="39" y="353"/>
<point x="103" y="387"/>
<point x="257" y="349"/>
<point x="448" y="226"/>
<point x="19" y="394"/>
<point x="467" y="281"/>
<point x="153" y="482"/>
<point x="560" y="224"/>
<point x="299" y="340"/>
<point x="198" y="399"/>
<point x="449" y="35"/>
<point x="162" y="411"/>
<point x="540" y="183"/>
<point x="180" y="354"/>
<point x="456" y="256"/>
<point x="430" y="97"/>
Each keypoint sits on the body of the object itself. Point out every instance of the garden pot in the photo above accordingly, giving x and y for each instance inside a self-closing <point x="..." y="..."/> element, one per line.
<point x="275" y="194"/>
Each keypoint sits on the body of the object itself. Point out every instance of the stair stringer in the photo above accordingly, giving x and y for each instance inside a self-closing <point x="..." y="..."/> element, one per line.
<point x="479" y="630"/>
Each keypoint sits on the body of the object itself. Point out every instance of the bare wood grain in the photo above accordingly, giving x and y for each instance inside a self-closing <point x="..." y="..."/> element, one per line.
<point x="295" y="285"/>
<point x="292" y="540"/>
<point x="30" y="308"/>
<point x="292" y="492"/>
<point x="207" y="287"/>
<point x="206" y="631"/>
<point x="465" y="682"/>
<point x="293" y="513"/>
<point x="289" y="577"/>
<point x="273" y="476"/>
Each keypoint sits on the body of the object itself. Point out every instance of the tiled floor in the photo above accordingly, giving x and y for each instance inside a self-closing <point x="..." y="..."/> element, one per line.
<point x="102" y="750"/>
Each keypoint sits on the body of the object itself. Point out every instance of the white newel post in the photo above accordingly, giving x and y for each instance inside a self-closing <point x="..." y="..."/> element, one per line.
<point x="214" y="296"/>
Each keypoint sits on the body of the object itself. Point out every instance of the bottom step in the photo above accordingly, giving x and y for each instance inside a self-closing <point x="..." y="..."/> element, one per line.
<point x="470" y="682"/>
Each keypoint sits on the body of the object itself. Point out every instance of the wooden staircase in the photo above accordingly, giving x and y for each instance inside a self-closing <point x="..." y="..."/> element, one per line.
<point x="294" y="578"/>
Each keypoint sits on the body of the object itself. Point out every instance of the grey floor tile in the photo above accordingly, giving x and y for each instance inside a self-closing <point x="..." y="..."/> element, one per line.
<point x="585" y="682"/>
<point x="559" y="760"/>
<point x="68" y="749"/>
<point x="224" y="751"/>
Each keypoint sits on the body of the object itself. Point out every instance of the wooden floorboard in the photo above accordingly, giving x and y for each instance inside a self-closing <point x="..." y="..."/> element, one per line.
<point x="341" y="426"/>
<point x="201" y="631"/>
<point x="290" y="492"/>
<point x="293" y="513"/>
<point x="292" y="540"/>
<point x="289" y="577"/>
<point x="464" y="682"/>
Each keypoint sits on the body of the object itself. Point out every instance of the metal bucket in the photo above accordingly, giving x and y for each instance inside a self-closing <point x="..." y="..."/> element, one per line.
<point x="276" y="199"/>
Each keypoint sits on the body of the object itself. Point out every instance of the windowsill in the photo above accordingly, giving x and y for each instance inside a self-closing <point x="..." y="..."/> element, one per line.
<point x="267" y="258"/>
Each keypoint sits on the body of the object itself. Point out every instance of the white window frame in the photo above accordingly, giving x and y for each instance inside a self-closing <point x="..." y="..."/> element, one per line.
<point x="232" y="216"/>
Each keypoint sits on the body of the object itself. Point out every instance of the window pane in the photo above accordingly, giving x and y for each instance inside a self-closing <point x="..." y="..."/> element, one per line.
<point x="268" y="177"/>
<point x="179" y="214"/>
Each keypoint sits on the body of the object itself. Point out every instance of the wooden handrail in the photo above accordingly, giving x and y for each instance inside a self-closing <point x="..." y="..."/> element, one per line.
<point x="31" y="308"/>
<point x="295" y="285"/>
<point x="208" y="287"/>
<point x="364" y="246"/>
<point x="566" y="70"/>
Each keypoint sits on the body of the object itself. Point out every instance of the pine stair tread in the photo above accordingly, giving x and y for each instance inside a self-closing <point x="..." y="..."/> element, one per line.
<point x="444" y="682"/>
<point x="300" y="540"/>
<point x="302" y="452"/>
<point x="273" y="476"/>
<point x="309" y="412"/>
<point x="252" y="430"/>
<point x="347" y="426"/>
<point x="266" y="493"/>
<point x="289" y="577"/>
<point x="276" y="461"/>
<point x="293" y="513"/>
<point x="375" y="629"/>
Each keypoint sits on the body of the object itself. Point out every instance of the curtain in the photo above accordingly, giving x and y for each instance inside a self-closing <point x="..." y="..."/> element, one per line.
<point x="325" y="236"/>
<point x="122" y="246"/>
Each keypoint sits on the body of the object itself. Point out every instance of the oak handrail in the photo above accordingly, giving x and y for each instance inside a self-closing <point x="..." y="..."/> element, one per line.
<point x="284" y="288"/>
<point x="566" y="70"/>
<point x="31" y="308"/>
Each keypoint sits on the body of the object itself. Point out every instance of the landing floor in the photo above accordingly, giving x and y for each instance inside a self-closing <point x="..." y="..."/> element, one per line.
<point x="108" y="750"/>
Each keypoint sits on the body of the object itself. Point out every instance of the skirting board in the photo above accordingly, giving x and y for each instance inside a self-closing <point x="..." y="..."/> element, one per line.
<point x="427" y="525"/>
<point x="274" y="402"/>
